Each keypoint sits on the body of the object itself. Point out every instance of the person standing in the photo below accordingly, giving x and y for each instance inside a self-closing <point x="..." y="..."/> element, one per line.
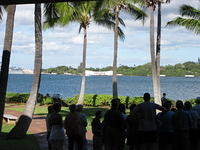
<point x="73" y="127"/>
<point x="163" y="99"/>
<point x="147" y="123"/>
<point x="166" y="130"/>
<point x="193" y="118"/>
<point x="132" y="129"/>
<point x="50" y="112"/>
<point x="83" y="118"/>
<point x="57" y="135"/>
<point x="197" y="109"/>
<point x="181" y="123"/>
<point x="97" y="130"/>
<point x="113" y="127"/>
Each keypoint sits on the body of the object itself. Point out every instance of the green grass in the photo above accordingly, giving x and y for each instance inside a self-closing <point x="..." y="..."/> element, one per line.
<point x="27" y="143"/>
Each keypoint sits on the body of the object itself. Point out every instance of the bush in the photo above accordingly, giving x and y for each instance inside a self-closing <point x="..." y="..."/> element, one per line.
<point x="20" y="97"/>
<point x="104" y="100"/>
<point x="46" y="101"/>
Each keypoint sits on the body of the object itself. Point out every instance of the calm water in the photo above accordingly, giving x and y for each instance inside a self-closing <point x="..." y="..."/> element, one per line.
<point x="67" y="86"/>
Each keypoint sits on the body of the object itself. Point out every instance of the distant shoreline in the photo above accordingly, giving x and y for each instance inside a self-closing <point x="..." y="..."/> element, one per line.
<point x="99" y="75"/>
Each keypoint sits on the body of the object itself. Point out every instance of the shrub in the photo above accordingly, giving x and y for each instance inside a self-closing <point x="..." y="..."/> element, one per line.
<point x="46" y="101"/>
<point x="20" y="97"/>
<point x="103" y="100"/>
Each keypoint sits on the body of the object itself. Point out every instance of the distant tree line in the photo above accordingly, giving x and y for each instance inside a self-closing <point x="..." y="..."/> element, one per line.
<point x="187" y="68"/>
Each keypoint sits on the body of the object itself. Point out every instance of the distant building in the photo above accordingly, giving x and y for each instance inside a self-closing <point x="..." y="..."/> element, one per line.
<point x="198" y="60"/>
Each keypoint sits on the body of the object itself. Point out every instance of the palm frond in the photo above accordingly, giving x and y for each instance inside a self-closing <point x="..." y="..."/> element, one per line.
<point x="135" y="11"/>
<point x="105" y="23"/>
<point x="121" y="21"/>
<point x="1" y="12"/>
<point x="66" y="13"/>
<point x="190" y="24"/>
<point x="80" y="28"/>
<point x="121" y="34"/>
<point x="189" y="11"/>
<point x="50" y="14"/>
<point x="2" y="9"/>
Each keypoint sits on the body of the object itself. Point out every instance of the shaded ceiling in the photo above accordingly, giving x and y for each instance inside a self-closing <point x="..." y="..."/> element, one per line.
<point x="9" y="2"/>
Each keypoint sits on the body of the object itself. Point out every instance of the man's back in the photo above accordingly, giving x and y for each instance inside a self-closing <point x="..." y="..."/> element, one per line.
<point x="181" y="121"/>
<point x="113" y="119"/>
<point x="146" y="113"/>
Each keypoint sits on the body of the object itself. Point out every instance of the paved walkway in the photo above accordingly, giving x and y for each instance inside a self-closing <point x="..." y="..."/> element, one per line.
<point x="38" y="128"/>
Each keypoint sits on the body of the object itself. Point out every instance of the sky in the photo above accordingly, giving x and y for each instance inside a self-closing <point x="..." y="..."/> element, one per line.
<point x="63" y="45"/>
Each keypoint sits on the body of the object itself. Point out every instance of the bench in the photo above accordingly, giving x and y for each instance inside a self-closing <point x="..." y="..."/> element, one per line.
<point x="10" y="118"/>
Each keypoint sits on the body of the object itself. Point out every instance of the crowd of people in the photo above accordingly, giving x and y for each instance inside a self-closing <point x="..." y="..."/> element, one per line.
<point x="148" y="126"/>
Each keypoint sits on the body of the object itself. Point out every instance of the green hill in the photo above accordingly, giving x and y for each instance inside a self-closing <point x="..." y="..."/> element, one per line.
<point x="187" y="68"/>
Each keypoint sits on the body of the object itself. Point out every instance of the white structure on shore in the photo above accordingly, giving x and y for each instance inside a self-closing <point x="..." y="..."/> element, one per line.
<point x="99" y="73"/>
<point x="189" y="76"/>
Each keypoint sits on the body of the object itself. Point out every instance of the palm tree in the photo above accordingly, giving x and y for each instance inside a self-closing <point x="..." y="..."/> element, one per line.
<point x="84" y="14"/>
<point x="6" y="58"/>
<point x="25" y="119"/>
<point x="155" y="53"/>
<point x="190" y="21"/>
<point x="158" y="44"/>
<point x="116" y="7"/>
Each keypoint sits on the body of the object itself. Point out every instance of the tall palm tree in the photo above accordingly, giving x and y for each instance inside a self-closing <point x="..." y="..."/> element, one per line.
<point x="84" y="14"/>
<point x="25" y="119"/>
<point x="6" y="58"/>
<point x="190" y="19"/>
<point x="117" y="7"/>
<point x="153" y="52"/>
<point x="158" y="48"/>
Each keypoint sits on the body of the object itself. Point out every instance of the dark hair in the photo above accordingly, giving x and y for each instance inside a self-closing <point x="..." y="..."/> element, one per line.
<point x="179" y="104"/>
<point x="173" y="109"/>
<point x="72" y="108"/>
<point x="132" y="107"/>
<point x="164" y="94"/>
<point x="57" y="107"/>
<point x="97" y="113"/>
<point x="167" y="105"/>
<point x="115" y="102"/>
<point x="197" y="100"/>
<point x="122" y="108"/>
<point x="146" y="97"/>
<point x="50" y="109"/>
<point x="188" y="105"/>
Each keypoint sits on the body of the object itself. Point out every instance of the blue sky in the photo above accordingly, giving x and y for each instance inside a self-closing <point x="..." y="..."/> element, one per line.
<point x="63" y="45"/>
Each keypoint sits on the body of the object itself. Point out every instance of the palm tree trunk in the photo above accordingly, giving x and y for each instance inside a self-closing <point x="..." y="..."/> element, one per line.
<point x="6" y="58"/>
<point x="25" y="119"/>
<point x="158" y="44"/>
<point x="153" y="55"/>
<point x="116" y="36"/>
<point x="82" y="91"/>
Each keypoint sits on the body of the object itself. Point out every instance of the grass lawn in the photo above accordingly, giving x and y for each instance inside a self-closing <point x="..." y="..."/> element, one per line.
<point x="42" y="111"/>
<point x="27" y="143"/>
